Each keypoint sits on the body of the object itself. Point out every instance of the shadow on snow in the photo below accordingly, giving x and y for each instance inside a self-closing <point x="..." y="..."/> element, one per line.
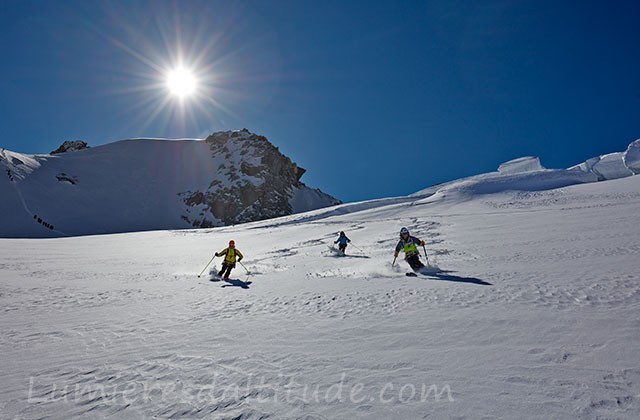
<point x="447" y="276"/>
<point x="236" y="283"/>
<point x="349" y="256"/>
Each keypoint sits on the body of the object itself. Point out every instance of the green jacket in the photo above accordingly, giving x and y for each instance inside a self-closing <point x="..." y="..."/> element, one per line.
<point x="410" y="246"/>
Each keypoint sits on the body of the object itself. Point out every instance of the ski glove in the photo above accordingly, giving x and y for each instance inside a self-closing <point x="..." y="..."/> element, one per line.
<point x="239" y="259"/>
<point x="395" y="254"/>
<point x="422" y="243"/>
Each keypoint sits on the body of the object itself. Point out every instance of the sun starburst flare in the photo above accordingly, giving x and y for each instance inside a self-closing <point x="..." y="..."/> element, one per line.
<point x="181" y="82"/>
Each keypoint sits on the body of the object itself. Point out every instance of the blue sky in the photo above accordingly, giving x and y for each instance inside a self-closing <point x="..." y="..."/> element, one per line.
<point x="374" y="98"/>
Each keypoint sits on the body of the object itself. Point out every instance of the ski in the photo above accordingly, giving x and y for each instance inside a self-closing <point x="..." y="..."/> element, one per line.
<point x="335" y="251"/>
<point x="426" y="271"/>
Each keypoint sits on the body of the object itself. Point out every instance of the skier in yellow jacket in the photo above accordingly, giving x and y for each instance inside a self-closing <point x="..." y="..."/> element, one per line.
<point x="229" y="262"/>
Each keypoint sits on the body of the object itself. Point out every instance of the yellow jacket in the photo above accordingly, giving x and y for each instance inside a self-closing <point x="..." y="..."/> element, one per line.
<point x="230" y="255"/>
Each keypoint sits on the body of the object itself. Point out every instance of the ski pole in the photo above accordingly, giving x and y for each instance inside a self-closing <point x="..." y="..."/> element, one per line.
<point x="245" y="268"/>
<point x="205" y="267"/>
<point x="357" y="247"/>
<point x="425" y="254"/>
<point x="394" y="261"/>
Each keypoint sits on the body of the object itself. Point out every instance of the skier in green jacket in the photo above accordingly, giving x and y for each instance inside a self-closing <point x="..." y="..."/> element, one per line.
<point x="409" y="244"/>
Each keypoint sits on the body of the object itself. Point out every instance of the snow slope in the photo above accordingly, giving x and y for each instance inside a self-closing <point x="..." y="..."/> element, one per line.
<point x="119" y="326"/>
<point x="147" y="184"/>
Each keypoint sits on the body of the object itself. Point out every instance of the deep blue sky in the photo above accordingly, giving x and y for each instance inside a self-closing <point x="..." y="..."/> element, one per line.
<point x="374" y="98"/>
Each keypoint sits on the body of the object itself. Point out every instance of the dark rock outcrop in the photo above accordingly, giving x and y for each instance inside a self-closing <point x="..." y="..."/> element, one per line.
<point x="67" y="178"/>
<point x="71" y="146"/>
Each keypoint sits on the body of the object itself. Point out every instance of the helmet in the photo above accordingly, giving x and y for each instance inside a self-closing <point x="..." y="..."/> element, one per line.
<point x="232" y="243"/>
<point x="341" y="233"/>
<point x="403" y="231"/>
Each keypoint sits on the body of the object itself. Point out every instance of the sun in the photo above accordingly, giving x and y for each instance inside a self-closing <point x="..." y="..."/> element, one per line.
<point x="181" y="82"/>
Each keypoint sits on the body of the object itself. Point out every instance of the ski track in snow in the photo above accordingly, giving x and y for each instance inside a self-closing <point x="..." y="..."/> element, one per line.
<point x="118" y="326"/>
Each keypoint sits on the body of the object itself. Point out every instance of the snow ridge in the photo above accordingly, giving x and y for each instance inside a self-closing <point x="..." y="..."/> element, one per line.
<point x="528" y="174"/>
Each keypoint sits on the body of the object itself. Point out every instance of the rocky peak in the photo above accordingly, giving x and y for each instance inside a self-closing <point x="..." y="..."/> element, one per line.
<point x="71" y="146"/>
<point x="254" y="145"/>
<point x="255" y="181"/>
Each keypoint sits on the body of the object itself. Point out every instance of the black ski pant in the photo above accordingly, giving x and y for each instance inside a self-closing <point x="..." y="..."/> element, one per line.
<point x="414" y="262"/>
<point x="342" y="247"/>
<point x="226" y="269"/>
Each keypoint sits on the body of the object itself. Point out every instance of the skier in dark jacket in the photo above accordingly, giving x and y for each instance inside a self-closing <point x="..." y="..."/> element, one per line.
<point x="409" y="244"/>
<point x="342" y="241"/>
<point x="229" y="263"/>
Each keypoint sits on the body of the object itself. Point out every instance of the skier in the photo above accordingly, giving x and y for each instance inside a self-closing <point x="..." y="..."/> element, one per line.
<point x="343" y="240"/>
<point x="229" y="262"/>
<point x="409" y="244"/>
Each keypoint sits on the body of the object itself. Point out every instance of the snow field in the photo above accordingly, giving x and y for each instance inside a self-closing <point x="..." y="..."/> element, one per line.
<point x="119" y="326"/>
